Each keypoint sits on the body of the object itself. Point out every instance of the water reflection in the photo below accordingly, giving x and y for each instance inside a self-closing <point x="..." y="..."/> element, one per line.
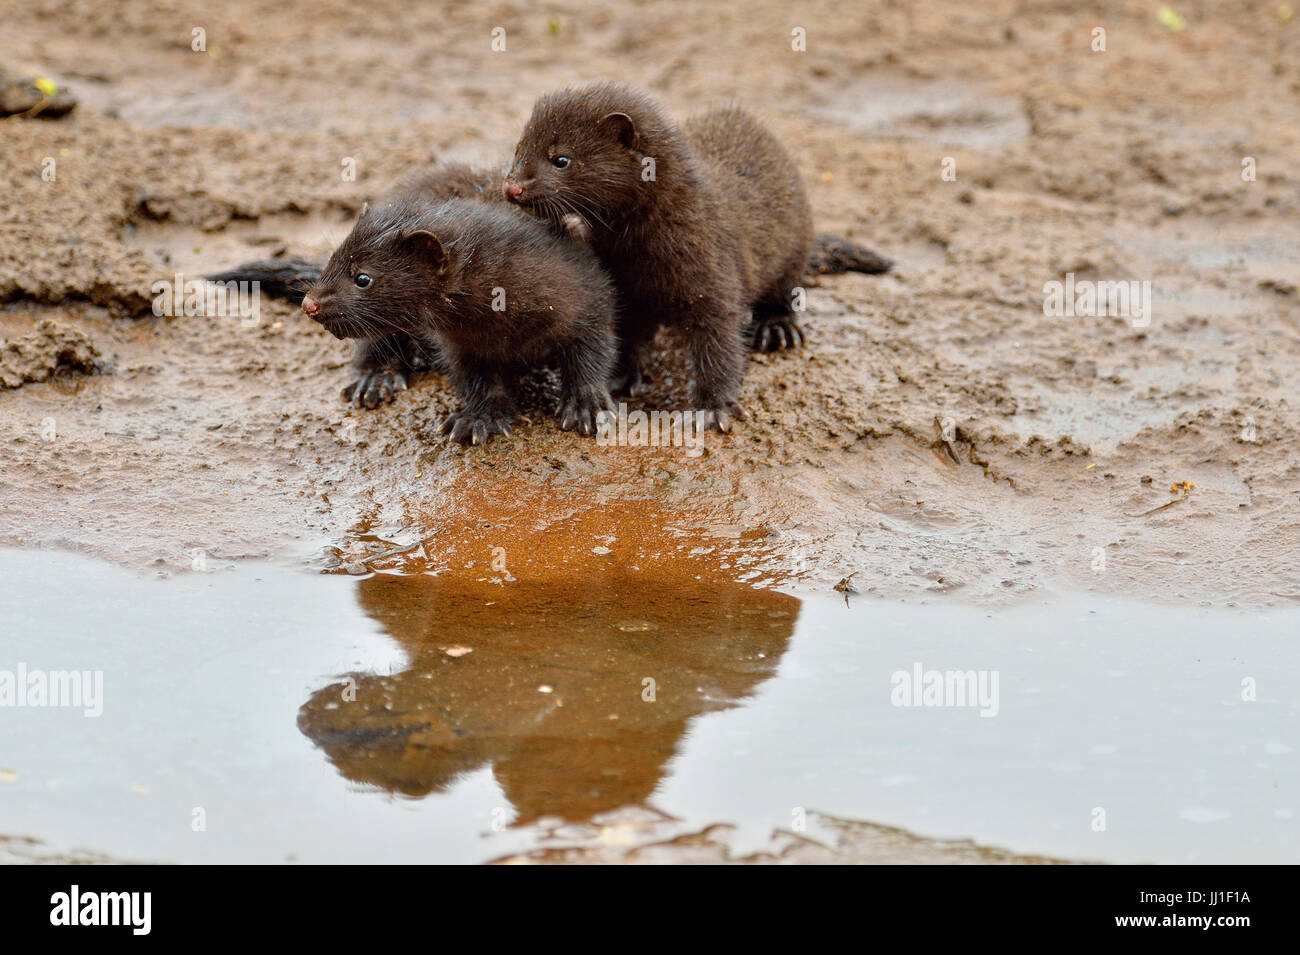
<point x="576" y="693"/>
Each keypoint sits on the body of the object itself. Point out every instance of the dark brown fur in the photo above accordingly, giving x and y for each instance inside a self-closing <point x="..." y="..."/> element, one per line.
<point x="451" y="180"/>
<point x="722" y="230"/>
<point x="382" y="364"/>
<point x="435" y="270"/>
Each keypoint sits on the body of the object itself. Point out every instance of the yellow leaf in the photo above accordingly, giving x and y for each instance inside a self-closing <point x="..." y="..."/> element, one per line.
<point x="1172" y="19"/>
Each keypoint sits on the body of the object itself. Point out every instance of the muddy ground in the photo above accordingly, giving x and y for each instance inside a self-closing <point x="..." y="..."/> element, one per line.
<point x="158" y="441"/>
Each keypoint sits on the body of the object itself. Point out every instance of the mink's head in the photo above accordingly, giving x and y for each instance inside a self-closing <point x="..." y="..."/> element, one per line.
<point x="384" y="275"/>
<point x="588" y="152"/>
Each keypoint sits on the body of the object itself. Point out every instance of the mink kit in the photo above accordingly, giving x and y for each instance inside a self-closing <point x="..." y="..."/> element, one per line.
<point x="478" y="291"/>
<point x="704" y="226"/>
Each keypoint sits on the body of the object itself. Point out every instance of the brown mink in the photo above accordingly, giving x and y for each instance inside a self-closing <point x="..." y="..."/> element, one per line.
<point x="381" y="364"/>
<point x="699" y="225"/>
<point x="487" y="290"/>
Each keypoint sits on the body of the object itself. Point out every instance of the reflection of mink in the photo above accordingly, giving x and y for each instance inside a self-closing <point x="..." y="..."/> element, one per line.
<point x="697" y="224"/>
<point x="419" y="730"/>
<point x="492" y="291"/>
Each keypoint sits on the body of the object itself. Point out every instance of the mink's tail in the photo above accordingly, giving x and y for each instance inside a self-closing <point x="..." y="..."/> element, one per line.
<point x="832" y="255"/>
<point x="289" y="278"/>
<point x="286" y="279"/>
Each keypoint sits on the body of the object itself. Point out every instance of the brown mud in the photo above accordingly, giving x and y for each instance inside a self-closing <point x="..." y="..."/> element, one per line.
<point x="939" y="434"/>
<point x="1123" y="164"/>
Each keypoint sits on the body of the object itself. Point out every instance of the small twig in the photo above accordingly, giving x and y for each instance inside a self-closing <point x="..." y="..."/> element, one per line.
<point x="1160" y="507"/>
<point x="846" y="587"/>
<point x="1182" y="488"/>
<point x="32" y="111"/>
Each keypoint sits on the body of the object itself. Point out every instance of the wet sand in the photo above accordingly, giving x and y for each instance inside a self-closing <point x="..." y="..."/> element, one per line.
<point x="940" y="439"/>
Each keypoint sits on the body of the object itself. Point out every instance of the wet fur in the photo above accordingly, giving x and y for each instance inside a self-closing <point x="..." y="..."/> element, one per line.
<point x="722" y="233"/>
<point x="434" y="266"/>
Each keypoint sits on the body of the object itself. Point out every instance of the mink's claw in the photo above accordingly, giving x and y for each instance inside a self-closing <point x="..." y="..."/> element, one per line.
<point x="581" y="412"/>
<point x="373" y="389"/>
<point x="475" y="427"/>
<point x="722" y="416"/>
<point x="775" y="333"/>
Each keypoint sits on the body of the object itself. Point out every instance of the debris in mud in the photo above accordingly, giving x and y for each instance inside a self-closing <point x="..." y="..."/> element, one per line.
<point x="1280" y="286"/>
<point x="1171" y="18"/>
<point x="24" y="850"/>
<point x="31" y="96"/>
<point x="45" y="352"/>
<point x="1182" y="488"/>
<point x="946" y="430"/>
<point x="845" y="587"/>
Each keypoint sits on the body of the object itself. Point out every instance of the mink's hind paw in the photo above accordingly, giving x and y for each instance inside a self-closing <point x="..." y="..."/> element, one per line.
<point x="475" y="427"/>
<point x="579" y="412"/>
<point x="374" y="388"/>
<point x="774" y="333"/>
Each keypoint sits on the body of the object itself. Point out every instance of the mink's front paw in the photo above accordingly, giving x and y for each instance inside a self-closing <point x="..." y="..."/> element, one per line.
<point x="476" y="426"/>
<point x="578" y="411"/>
<point x="720" y="415"/>
<point x="374" y="388"/>
<point x="775" y="332"/>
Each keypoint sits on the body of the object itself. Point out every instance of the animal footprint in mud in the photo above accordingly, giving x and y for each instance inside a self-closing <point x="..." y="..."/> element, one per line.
<point x="372" y="390"/>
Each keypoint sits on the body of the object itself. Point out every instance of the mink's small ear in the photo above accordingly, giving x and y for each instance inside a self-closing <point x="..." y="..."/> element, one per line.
<point x="365" y="207"/>
<point x="426" y="246"/>
<point x="622" y="127"/>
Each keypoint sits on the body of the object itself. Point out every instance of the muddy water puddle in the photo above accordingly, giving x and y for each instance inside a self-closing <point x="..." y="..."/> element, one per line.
<point x="470" y="713"/>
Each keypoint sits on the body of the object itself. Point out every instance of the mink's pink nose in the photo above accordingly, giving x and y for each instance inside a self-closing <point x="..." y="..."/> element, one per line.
<point x="310" y="306"/>
<point x="513" y="191"/>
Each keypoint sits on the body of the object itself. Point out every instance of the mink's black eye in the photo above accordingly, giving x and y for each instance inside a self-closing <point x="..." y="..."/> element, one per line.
<point x="561" y="162"/>
<point x="363" y="280"/>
